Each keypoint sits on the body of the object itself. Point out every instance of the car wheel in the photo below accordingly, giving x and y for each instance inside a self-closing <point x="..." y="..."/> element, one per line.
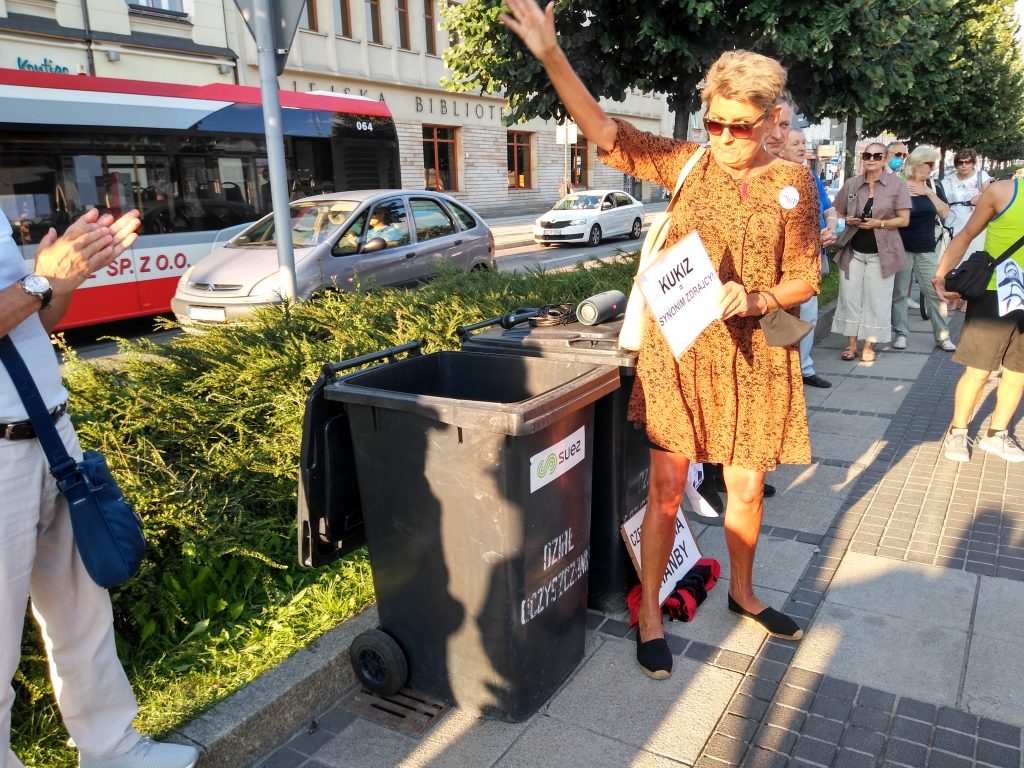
<point x="595" y="236"/>
<point x="638" y="227"/>
<point x="379" y="662"/>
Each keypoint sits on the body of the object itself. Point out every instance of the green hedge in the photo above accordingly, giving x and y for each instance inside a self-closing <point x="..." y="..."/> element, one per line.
<point x="203" y="433"/>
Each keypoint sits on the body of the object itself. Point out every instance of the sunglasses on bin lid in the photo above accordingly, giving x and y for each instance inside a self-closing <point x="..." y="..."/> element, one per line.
<point x="872" y="156"/>
<point x="738" y="130"/>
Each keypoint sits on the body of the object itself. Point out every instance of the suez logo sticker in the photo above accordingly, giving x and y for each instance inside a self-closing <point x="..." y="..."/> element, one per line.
<point x="558" y="459"/>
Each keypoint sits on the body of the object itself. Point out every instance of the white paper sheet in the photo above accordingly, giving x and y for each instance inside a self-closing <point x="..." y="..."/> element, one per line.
<point x="682" y="289"/>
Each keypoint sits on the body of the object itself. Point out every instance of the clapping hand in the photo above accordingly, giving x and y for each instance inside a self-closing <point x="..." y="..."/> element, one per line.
<point x="89" y="244"/>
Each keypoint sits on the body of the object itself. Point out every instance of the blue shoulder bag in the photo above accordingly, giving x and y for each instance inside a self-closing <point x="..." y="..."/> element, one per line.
<point x="108" y="531"/>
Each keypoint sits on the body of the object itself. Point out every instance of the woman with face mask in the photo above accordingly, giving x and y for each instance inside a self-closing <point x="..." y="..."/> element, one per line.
<point x="928" y="206"/>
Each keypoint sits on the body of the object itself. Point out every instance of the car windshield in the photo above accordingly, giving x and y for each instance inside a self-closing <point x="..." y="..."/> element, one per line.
<point x="312" y="223"/>
<point x="578" y="202"/>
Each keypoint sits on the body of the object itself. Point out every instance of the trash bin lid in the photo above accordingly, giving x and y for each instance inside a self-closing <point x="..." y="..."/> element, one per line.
<point x="573" y="341"/>
<point x="505" y="394"/>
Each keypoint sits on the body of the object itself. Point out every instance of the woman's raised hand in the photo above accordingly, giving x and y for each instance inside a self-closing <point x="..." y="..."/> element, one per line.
<point x="536" y="28"/>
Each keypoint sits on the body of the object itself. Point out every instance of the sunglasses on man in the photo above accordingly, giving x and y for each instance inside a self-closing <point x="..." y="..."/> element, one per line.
<point x="738" y="130"/>
<point x="899" y="154"/>
<point x="873" y="156"/>
<point x="964" y="161"/>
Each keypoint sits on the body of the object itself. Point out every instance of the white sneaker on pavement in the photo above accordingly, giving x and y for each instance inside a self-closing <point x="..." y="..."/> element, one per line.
<point x="1004" y="445"/>
<point x="946" y="345"/>
<point x="146" y="754"/>
<point x="900" y="342"/>
<point x="911" y="304"/>
<point x="954" y="447"/>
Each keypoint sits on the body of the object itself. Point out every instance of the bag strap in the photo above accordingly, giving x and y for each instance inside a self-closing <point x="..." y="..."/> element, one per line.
<point x="778" y="305"/>
<point x="694" y="158"/>
<point x="1010" y="251"/>
<point x="61" y="464"/>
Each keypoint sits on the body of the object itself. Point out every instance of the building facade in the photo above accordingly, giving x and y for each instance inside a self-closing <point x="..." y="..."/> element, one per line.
<point x="392" y="50"/>
<point x="146" y="40"/>
<point x="389" y="50"/>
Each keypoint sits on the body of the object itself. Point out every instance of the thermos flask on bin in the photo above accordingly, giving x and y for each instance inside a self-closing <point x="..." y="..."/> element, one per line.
<point x="601" y="307"/>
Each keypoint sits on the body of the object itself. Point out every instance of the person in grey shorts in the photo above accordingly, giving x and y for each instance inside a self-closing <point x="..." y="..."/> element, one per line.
<point x="989" y="341"/>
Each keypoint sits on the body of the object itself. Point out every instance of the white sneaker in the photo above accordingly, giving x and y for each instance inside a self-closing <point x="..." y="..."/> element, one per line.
<point x="900" y="342"/>
<point x="911" y="304"/>
<point x="1004" y="445"/>
<point x="946" y="345"/>
<point x="955" y="445"/>
<point x="146" y="754"/>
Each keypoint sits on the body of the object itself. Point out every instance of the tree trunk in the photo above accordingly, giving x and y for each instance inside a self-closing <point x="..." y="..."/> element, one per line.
<point x="682" y="123"/>
<point x="851" y="144"/>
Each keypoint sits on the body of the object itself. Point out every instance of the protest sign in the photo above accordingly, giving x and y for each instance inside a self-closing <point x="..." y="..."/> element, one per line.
<point x="681" y="559"/>
<point x="694" y="479"/>
<point x="682" y="289"/>
<point x="1009" y="286"/>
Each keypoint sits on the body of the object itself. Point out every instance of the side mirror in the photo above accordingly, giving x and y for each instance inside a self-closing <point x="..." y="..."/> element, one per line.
<point x="374" y="244"/>
<point x="605" y="205"/>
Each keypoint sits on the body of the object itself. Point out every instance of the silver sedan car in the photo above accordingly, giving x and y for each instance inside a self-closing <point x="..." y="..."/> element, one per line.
<point x="374" y="237"/>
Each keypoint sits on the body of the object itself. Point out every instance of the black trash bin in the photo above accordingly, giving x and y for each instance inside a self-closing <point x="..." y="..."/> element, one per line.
<point x="621" y="452"/>
<point x="469" y="477"/>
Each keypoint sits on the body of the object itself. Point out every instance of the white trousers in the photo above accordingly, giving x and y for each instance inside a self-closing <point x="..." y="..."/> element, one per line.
<point x="38" y="557"/>
<point x="809" y="314"/>
<point x="864" y="308"/>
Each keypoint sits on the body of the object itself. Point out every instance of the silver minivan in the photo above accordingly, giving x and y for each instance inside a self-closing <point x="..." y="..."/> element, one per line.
<point x="376" y="237"/>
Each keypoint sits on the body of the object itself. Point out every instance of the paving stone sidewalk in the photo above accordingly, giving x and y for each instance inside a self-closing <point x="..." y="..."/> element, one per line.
<point x="906" y="571"/>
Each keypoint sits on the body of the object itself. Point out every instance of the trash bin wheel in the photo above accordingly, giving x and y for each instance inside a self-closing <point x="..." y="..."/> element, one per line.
<point x="379" y="662"/>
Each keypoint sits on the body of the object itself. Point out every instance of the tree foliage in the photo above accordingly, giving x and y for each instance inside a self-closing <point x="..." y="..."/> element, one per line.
<point x="969" y="92"/>
<point x="889" y="60"/>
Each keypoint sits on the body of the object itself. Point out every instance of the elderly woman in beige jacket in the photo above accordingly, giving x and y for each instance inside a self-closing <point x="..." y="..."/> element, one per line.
<point x="876" y="204"/>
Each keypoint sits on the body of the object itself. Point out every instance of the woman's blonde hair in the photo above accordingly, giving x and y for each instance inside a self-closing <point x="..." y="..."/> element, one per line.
<point x="745" y="76"/>
<point x="921" y="155"/>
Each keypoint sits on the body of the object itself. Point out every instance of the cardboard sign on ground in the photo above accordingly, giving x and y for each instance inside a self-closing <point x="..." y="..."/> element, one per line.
<point x="682" y="558"/>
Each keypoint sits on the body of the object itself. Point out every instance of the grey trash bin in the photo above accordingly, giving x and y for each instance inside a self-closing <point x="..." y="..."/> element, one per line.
<point x="469" y="477"/>
<point x="621" y="452"/>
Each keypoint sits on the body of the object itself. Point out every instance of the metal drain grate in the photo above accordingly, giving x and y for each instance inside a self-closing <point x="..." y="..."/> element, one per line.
<point x="408" y="711"/>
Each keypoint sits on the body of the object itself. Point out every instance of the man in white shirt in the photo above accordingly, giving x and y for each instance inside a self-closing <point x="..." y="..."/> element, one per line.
<point x="38" y="557"/>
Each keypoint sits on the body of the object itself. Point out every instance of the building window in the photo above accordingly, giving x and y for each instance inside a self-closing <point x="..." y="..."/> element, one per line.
<point x="430" y="26"/>
<point x="402" y="8"/>
<point x="307" y="19"/>
<point x="439" y="158"/>
<point x="373" y="29"/>
<point x="174" y="6"/>
<point x="344" y="25"/>
<point x="519" y="160"/>
<point x="578" y="163"/>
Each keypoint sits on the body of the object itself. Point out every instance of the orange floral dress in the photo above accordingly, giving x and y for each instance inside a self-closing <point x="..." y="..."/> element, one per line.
<point x="730" y="399"/>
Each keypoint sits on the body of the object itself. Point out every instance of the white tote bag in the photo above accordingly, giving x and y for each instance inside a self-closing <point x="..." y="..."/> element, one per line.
<point x="633" y="323"/>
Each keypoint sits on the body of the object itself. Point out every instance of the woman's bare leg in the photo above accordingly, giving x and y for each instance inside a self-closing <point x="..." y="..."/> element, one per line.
<point x="667" y="484"/>
<point x="742" y="526"/>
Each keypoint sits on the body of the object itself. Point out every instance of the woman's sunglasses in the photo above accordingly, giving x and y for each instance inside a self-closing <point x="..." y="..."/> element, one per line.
<point x="738" y="130"/>
<point x="873" y="156"/>
<point x="963" y="161"/>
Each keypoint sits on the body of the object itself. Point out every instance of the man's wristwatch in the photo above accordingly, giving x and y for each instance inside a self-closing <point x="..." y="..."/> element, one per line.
<point x="38" y="286"/>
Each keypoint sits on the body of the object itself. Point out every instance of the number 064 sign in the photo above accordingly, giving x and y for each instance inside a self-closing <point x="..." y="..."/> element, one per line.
<point x="682" y="289"/>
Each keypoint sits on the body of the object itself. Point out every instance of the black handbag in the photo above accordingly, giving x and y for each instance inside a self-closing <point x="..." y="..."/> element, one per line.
<point x="780" y="328"/>
<point x="971" y="277"/>
<point x="107" y="530"/>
